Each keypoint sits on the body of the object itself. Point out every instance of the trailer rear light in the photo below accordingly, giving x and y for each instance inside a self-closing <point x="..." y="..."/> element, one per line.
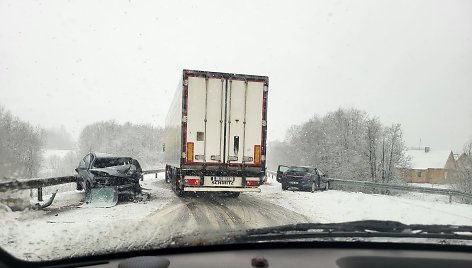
<point x="252" y="181"/>
<point x="190" y="152"/>
<point x="192" y="182"/>
<point x="257" y="154"/>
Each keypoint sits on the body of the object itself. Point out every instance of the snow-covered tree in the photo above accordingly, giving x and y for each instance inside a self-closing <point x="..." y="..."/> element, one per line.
<point x="20" y="147"/>
<point x="462" y="178"/>
<point x="346" y="144"/>
<point x="142" y="142"/>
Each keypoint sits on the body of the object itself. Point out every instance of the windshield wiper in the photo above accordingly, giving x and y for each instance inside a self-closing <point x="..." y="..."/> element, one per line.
<point x="360" y="229"/>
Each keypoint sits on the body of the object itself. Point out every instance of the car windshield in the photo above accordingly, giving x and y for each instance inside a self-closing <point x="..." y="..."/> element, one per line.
<point x="110" y="162"/>
<point x="229" y="107"/>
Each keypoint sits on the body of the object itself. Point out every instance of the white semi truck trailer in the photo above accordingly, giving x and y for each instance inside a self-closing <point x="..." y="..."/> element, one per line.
<point x="216" y="131"/>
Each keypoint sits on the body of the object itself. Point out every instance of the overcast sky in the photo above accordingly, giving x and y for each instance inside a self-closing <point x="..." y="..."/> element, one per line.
<point x="72" y="63"/>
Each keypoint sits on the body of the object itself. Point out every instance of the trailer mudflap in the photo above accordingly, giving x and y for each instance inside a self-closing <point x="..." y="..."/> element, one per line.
<point x="221" y="189"/>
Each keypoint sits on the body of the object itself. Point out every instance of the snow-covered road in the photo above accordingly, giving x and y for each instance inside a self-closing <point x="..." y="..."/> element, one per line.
<point x="69" y="229"/>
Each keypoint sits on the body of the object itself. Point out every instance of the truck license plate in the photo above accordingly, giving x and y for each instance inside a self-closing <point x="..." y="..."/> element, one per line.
<point x="222" y="181"/>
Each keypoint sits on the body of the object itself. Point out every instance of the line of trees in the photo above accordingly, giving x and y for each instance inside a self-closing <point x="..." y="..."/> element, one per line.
<point x="20" y="147"/>
<point x="143" y="142"/>
<point x="462" y="178"/>
<point x="346" y="144"/>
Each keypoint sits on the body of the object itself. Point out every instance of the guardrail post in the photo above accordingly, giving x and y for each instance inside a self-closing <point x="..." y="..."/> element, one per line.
<point x="450" y="198"/>
<point x="40" y="194"/>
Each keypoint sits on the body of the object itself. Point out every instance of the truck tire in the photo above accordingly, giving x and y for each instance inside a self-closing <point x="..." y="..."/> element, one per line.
<point x="168" y="175"/>
<point x="178" y="190"/>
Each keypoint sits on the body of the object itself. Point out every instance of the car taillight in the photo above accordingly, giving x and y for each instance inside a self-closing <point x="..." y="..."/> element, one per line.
<point x="189" y="151"/>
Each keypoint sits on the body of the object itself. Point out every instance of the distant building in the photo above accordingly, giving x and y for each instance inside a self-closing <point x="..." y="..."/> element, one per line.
<point x="430" y="166"/>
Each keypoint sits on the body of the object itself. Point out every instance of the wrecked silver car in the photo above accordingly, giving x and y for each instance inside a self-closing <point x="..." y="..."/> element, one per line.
<point x="106" y="178"/>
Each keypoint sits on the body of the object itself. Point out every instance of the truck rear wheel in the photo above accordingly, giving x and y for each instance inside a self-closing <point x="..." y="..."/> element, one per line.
<point x="179" y="192"/>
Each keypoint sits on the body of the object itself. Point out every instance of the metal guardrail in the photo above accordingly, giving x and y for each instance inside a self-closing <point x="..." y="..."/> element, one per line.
<point x="39" y="183"/>
<point x="23" y="184"/>
<point x="271" y="173"/>
<point x="153" y="171"/>
<point x="397" y="187"/>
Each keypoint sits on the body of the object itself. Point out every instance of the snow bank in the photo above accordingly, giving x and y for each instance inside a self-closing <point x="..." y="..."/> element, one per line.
<point x="338" y="206"/>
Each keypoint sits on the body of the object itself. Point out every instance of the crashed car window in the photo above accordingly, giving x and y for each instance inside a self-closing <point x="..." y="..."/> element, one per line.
<point x="110" y="162"/>
<point x="171" y="124"/>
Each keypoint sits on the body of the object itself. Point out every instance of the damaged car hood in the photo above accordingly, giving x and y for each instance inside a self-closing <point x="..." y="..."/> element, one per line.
<point x="124" y="171"/>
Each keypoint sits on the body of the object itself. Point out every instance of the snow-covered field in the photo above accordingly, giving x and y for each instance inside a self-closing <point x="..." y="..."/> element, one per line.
<point x="69" y="229"/>
<point x="339" y="206"/>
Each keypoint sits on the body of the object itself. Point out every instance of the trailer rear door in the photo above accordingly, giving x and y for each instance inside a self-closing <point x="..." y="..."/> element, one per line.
<point x="244" y="127"/>
<point x="224" y="121"/>
<point x="205" y="120"/>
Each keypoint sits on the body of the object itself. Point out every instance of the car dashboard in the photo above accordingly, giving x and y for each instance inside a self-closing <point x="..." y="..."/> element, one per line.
<point x="275" y="255"/>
